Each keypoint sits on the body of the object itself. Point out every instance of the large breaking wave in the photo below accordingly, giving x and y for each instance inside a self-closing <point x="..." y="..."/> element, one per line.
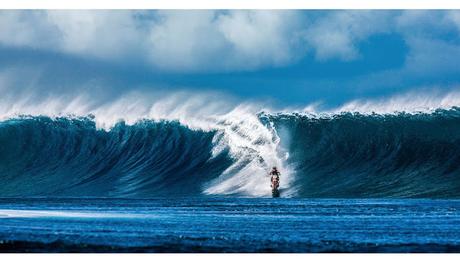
<point x="338" y="154"/>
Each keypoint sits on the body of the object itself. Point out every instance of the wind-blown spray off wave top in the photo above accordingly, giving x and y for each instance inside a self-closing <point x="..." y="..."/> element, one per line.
<point x="343" y="154"/>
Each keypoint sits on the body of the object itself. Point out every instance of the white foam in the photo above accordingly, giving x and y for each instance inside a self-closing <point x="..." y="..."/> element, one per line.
<point x="13" y="213"/>
<point x="411" y="102"/>
<point x="256" y="148"/>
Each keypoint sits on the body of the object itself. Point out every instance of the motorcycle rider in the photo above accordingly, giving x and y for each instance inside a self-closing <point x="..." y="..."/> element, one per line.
<point x="275" y="178"/>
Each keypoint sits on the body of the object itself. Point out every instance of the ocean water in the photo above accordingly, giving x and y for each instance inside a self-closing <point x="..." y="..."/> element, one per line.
<point x="229" y="225"/>
<point x="348" y="155"/>
<point x="196" y="182"/>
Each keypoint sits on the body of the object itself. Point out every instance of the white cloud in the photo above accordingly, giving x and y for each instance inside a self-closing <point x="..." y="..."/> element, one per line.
<point x="337" y="34"/>
<point x="429" y="53"/>
<point x="170" y="40"/>
<point x="185" y="40"/>
<point x="30" y="29"/>
<point x="211" y="40"/>
<point x="99" y="33"/>
<point x="261" y="37"/>
<point x="429" y="57"/>
<point x="424" y="23"/>
<point x="103" y="34"/>
<point x="454" y="17"/>
<point x="228" y="40"/>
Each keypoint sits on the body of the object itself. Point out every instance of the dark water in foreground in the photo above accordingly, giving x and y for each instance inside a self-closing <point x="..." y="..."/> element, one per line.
<point x="229" y="225"/>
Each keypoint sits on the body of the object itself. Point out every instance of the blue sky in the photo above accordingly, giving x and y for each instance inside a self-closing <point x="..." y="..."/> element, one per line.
<point x="289" y="57"/>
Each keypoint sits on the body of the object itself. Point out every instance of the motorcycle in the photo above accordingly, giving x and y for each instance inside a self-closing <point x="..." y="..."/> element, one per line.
<point x="275" y="184"/>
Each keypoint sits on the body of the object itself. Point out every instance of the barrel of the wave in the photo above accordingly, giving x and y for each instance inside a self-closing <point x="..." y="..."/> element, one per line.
<point x="275" y="181"/>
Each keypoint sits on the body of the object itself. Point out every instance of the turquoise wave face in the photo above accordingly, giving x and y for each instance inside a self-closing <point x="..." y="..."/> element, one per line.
<point x="344" y="155"/>
<point x="41" y="156"/>
<point x="355" y="155"/>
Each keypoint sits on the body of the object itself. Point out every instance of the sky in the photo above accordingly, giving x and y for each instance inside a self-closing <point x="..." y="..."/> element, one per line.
<point x="289" y="57"/>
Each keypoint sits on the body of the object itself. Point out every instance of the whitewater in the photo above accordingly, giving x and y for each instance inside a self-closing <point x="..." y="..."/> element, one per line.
<point x="142" y="146"/>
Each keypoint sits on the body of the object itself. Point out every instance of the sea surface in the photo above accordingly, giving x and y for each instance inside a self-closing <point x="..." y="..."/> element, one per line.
<point x="350" y="181"/>
<point x="216" y="224"/>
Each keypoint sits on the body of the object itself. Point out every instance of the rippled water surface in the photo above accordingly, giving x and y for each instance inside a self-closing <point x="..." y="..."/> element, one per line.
<point x="229" y="225"/>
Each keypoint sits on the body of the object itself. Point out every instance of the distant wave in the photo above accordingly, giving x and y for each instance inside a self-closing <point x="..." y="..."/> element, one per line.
<point x="194" y="146"/>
